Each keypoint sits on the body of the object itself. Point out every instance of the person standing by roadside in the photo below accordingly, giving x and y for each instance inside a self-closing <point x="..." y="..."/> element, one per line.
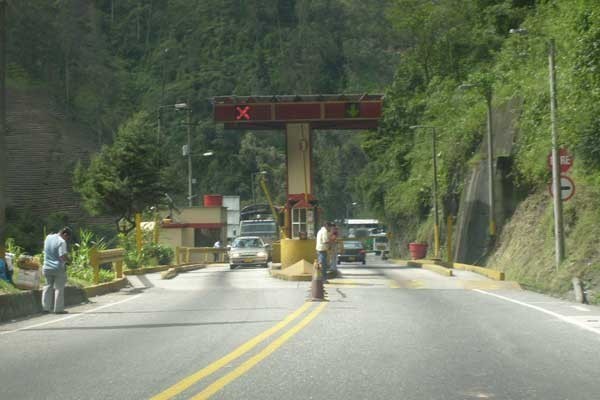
<point x="333" y="247"/>
<point x="323" y="247"/>
<point x="55" y="271"/>
<point x="217" y="245"/>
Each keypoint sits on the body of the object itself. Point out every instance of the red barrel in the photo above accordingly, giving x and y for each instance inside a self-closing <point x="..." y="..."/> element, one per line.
<point x="417" y="250"/>
<point x="213" y="200"/>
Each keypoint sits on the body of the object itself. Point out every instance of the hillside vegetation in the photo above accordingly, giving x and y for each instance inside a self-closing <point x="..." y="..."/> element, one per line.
<point x="113" y="64"/>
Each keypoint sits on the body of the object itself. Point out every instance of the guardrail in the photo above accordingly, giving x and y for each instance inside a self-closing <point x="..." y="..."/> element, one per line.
<point x="207" y="255"/>
<point x="114" y="256"/>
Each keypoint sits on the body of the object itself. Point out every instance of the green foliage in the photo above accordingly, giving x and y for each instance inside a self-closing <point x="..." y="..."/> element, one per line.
<point x="79" y="268"/>
<point x="12" y="247"/>
<point x="123" y="179"/>
<point x="162" y="254"/>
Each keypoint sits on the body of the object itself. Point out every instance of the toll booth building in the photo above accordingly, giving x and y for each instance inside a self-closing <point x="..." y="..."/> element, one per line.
<point x="196" y="226"/>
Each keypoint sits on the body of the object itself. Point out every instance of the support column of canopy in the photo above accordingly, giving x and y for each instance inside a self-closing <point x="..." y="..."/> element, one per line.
<point x="301" y="210"/>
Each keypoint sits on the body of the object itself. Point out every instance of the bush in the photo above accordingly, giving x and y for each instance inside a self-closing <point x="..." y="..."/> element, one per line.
<point x="80" y="268"/>
<point x="163" y="254"/>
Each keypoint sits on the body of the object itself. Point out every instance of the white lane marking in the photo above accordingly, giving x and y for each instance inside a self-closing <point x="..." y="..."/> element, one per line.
<point x="564" y="318"/>
<point x="581" y="308"/>
<point x="70" y="316"/>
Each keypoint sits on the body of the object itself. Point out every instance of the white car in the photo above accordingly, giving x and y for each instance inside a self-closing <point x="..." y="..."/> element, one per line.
<point x="248" y="250"/>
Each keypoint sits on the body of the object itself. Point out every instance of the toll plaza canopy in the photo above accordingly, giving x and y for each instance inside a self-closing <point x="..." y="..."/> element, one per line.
<point x="325" y="111"/>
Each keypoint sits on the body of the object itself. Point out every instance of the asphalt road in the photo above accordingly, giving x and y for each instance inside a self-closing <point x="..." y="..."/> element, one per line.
<point x="387" y="332"/>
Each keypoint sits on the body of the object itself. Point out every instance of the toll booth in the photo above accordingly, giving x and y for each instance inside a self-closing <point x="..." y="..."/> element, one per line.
<point x="300" y="117"/>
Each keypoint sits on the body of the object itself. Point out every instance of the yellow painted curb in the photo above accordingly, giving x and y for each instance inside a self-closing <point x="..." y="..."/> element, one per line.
<point x="438" y="269"/>
<point x="103" y="288"/>
<point x="287" y="277"/>
<point x="150" y="270"/>
<point x="490" y="273"/>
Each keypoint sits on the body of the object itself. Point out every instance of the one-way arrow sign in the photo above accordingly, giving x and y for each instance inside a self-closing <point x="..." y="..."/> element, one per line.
<point x="567" y="188"/>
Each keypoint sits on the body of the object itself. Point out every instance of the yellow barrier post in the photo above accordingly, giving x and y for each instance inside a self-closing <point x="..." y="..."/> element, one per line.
<point x="118" y="269"/>
<point x="95" y="262"/>
<point x="177" y="255"/>
<point x="138" y="231"/>
<point x="187" y="255"/>
<point x="156" y="230"/>
<point x="449" y="226"/>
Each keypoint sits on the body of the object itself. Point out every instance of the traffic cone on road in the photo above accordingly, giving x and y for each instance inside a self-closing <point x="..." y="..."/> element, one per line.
<point x="317" y="292"/>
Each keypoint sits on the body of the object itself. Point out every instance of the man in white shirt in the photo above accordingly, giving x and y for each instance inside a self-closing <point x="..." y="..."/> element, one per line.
<point x="323" y="247"/>
<point x="55" y="272"/>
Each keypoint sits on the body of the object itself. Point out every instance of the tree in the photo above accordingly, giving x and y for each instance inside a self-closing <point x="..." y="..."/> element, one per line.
<point x="123" y="179"/>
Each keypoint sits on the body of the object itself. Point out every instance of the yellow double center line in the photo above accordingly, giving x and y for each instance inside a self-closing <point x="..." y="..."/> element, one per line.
<point x="240" y="351"/>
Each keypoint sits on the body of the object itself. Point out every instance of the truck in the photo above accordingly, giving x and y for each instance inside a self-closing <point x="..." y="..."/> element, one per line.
<point x="258" y="220"/>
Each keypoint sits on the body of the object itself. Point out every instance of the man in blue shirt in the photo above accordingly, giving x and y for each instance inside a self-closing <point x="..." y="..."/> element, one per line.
<point x="55" y="272"/>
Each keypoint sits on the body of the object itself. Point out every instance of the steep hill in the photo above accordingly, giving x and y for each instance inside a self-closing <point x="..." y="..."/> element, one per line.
<point x="526" y="246"/>
<point x="43" y="148"/>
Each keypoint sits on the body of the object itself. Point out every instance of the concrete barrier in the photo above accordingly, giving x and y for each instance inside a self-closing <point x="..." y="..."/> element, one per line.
<point x="488" y="272"/>
<point x="438" y="269"/>
<point x="18" y="305"/>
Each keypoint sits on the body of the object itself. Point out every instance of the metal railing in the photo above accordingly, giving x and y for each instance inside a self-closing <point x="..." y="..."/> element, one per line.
<point x="208" y="255"/>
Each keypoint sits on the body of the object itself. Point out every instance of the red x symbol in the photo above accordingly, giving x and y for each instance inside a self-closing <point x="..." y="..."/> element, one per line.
<point x="243" y="113"/>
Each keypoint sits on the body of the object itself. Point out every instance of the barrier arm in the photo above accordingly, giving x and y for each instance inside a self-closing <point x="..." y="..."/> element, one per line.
<point x="263" y="185"/>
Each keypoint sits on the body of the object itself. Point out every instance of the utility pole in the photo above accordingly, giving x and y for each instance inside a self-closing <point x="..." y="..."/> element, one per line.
<point x="189" y="152"/>
<point x="3" y="133"/>
<point x="558" y="214"/>
<point x="490" y="157"/>
<point x="434" y="189"/>
<point x="559" y="238"/>
<point x="436" y="222"/>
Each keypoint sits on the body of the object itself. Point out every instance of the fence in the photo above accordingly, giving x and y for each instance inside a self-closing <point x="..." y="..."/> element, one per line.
<point x="114" y="256"/>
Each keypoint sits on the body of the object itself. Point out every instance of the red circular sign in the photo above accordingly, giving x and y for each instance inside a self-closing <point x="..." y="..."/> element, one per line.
<point x="565" y="158"/>
<point x="567" y="188"/>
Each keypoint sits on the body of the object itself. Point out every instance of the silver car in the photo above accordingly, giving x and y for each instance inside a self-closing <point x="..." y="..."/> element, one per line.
<point x="248" y="250"/>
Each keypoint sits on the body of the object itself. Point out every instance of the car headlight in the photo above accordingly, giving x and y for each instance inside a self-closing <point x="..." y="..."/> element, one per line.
<point x="235" y="255"/>
<point x="261" y="254"/>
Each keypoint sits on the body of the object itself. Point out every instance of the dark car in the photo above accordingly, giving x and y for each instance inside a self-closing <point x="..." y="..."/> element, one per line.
<point x="352" y="251"/>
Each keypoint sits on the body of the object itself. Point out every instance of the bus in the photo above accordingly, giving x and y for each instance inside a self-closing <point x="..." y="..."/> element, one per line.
<point x="381" y="245"/>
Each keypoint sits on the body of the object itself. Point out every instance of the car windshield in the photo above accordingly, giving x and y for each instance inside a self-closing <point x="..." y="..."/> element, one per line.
<point x="247" y="243"/>
<point x="353" y="245"/>
<point x="256" y="227"/>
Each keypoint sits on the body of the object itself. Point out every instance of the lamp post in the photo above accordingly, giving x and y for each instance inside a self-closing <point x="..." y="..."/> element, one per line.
<point x="349" y="208"/>
<point x="252" y="182"/>
<point x="3" y="150"/>
<point x="487" y="92"/>
<point x="436" y="226"/>
<point x="559" y="239"/>
<point x="187" y="150"/>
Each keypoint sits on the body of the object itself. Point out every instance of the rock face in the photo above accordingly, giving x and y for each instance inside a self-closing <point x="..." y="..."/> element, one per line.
<point x="43" y="148"/>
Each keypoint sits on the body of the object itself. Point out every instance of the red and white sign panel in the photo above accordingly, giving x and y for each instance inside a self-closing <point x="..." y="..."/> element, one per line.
<point x="567" y="188"/>
<point x="565" y="159"/>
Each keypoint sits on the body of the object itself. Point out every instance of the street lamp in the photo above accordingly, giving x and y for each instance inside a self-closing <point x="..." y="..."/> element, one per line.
<point x="252" y="182"/>
<point x="436" y="226"/>
<point x="559" y="240"/>
<point x="3" y="133"/>
<point x="187" y="150"/>
<point x="348" y="209"/>
<point x="487" y="91"/>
